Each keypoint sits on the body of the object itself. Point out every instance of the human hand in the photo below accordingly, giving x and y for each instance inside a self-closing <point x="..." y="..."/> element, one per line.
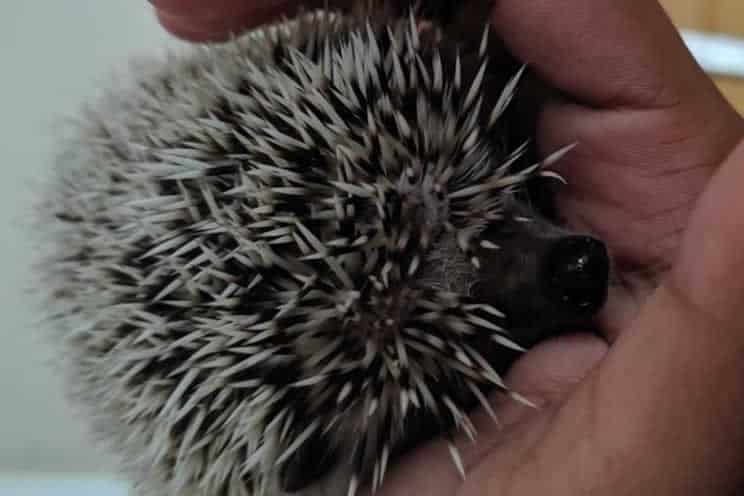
<point x="658" y="410"/>
<point x="199" y="21"/>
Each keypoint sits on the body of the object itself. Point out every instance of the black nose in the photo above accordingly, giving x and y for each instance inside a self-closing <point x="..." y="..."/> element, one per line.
<point x="577" y="273"/>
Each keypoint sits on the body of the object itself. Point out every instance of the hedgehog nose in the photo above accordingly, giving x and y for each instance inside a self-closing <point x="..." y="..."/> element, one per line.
<point x="578" y="273"/>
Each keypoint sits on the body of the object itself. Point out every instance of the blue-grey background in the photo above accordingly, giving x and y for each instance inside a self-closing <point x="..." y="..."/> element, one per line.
<point x="53" y="56"/>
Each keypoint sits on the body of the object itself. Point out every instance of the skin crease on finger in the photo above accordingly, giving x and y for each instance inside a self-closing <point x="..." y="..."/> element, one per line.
<point x="655" y="112"/>
<point x="686" y="348"/>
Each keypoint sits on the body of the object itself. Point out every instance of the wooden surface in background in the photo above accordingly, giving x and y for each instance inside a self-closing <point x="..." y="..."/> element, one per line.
<point x="728" y="17"/>
<point x="719" y="16"/>
<point x="723" y="16"/>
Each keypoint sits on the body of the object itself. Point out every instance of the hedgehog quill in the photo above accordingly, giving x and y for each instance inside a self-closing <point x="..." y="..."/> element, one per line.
<point x="281" y="262"/>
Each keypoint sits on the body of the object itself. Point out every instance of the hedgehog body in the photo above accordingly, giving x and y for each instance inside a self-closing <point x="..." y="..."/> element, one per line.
<point x="298" y="251"/>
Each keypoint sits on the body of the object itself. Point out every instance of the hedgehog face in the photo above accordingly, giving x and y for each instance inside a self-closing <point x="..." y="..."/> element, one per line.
<point x="306" y="253"/>
<point x="543" y="278"/>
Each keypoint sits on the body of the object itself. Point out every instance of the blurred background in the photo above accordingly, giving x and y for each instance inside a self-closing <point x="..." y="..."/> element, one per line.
<point x="54" y="55"/>
<point x="724" y="18"/>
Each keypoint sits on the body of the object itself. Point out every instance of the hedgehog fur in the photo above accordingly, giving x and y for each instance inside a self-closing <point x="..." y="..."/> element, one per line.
<point x="286" y="253"/>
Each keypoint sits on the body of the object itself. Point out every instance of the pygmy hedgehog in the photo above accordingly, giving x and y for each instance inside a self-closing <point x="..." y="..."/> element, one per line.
<point x="280" y="262"/>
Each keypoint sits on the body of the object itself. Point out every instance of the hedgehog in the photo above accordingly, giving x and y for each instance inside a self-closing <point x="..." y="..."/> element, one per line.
<point x="275" y="265"/>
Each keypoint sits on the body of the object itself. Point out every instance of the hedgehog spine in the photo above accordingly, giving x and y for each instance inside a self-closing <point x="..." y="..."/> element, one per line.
<point x="243" y="240"/>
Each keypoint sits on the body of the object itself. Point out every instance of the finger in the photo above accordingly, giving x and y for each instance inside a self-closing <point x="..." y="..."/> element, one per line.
<point x="217" y="20"/>
<point x="543" y="375"/>
<point x="629" y="164"/>
<point x="199" y="8"/>
<point x="626" y="296"/>
<point x="603" y="52"/>
<point x="634" y="179"/>
<point x="634" y="176"/>
<point x="553" y="368"/>
<point x="669" y="395"/>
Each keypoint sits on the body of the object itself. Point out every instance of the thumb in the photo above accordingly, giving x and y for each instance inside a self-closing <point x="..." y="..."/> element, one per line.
<point x="544" y="375"/>
<point x="662" y="413"/>
<point x="710" y="269"/>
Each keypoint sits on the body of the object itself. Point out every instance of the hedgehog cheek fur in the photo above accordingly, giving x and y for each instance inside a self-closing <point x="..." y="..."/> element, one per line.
<point x="286" y="261"/>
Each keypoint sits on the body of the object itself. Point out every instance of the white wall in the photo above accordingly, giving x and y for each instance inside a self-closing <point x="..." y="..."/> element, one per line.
<point x="53" y="54"/>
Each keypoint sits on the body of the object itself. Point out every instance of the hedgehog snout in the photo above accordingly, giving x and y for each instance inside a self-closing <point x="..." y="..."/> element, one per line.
<point x="576" y="273"/>
<point x="543" y="278"/>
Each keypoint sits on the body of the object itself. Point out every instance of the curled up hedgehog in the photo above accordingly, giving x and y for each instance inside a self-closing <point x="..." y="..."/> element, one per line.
<point x="280" y="262"/>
